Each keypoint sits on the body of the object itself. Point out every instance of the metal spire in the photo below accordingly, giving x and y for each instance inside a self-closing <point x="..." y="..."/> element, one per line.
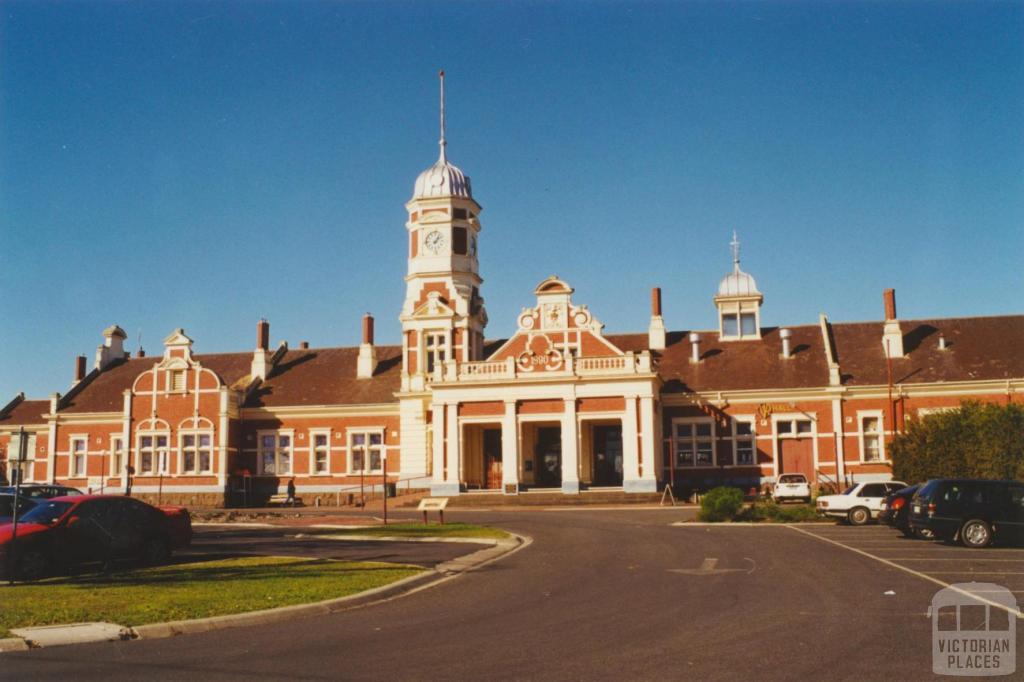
<point x="443" y="158"/>
<point x="735" y="244"/>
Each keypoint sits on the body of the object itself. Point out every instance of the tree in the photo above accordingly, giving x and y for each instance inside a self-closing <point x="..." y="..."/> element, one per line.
<point x="978" y="440"/>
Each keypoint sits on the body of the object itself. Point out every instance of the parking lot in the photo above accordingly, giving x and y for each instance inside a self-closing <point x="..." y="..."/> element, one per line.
<point x="935" y="561"/>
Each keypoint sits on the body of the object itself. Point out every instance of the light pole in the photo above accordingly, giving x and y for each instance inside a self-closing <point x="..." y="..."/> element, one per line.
<point x="384" y="486"/>
<point x="21" y="456"/>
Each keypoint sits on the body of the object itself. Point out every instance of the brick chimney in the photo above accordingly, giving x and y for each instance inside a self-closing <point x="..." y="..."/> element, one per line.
<point x="261" y="356"/>
<point x="79" y="369"/>
<point x="892" y="335"/>
<point x="112" y="348"/>
<point x="367" y="361"/>
<point x="656" y="330"/>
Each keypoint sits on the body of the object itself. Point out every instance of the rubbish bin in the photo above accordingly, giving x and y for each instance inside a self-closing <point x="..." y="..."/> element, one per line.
<point x="392" y="489"/>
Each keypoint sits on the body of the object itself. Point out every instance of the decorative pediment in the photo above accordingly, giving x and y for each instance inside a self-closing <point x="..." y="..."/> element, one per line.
<point x="434" y="217"/>
<point x="177" y="346"/>
<point x="434" y="307"/>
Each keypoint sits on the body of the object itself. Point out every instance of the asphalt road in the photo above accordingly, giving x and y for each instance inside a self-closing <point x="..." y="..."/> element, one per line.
<point x="217" y="541"/>
<point x="598" y="595"/>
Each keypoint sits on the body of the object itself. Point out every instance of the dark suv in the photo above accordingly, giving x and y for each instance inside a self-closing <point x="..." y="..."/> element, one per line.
<point x="975" y="512"/>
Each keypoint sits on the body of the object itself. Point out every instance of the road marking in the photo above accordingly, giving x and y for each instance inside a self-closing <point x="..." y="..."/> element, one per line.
<point x="707" y="567"/>
<point x="948" y="558"/>
<point x="978" y="572"/>
<point x="924" y="576"/>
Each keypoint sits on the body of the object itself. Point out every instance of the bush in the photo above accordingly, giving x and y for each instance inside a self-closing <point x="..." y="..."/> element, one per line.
<point x="771" y="511"/>
<point x="979" y="440"/>
<point x="721" y="504"/>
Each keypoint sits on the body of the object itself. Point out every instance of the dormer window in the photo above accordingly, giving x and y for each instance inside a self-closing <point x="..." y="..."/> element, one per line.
<point x="739" y="324"/>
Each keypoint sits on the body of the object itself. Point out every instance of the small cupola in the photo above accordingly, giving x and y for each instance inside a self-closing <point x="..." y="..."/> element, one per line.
<point x="738" y="302"/>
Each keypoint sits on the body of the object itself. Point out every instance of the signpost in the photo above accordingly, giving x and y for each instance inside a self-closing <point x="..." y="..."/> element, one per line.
<point x="384" y="484"/>
<point x="433" y="504"/>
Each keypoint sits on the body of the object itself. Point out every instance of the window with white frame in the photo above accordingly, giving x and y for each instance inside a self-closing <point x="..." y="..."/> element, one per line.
<point x="79" y="450"/>
<point x="196" y="453"/>
<point x="21" y="470"/>
<point x="794" y="427"/>
<point x="320" y="452"/>
<point x="871" y="438"/>
<point x="694" y="443"/>
<point x="154" y="453"/>
<point x="436" y="343"/>
<point x="275" y="453"/>
<point x="744" y="444"/>
<point x="366" y="449"/>
<point x="116" y="455"/>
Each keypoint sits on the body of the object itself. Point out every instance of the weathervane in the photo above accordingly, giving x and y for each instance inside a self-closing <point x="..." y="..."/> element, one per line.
<point x="442" y="141"/>
<point x="735" y="244"/>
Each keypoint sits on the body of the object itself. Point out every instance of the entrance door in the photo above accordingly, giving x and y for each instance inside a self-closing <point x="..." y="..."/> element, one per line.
<point x="492" y="459"/>
<point x="796" y="456"/>
<point x="548" y="457"/>
<point x="607" y="455"/>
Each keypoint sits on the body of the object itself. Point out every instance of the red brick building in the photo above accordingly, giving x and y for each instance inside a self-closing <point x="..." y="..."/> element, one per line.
<point x="559" y="405"/>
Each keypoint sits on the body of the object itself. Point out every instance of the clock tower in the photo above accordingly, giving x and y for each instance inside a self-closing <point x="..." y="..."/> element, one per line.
<point x="443" y="316"/>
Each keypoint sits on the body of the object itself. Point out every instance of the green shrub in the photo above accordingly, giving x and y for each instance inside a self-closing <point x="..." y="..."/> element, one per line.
<point x="721" y="504"/>
<point x="979" y="440"/>
<point x="771" y="511"/>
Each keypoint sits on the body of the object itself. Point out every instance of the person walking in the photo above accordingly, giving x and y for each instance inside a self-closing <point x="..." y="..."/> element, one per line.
<point x="291" y="493"/>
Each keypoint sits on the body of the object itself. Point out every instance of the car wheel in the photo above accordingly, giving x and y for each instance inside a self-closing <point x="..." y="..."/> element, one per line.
<point x="908" y="533"/>
<point x="32" y="565"/>
<point x="859" y="516"/>
<point x="155" y="551"/>
<point x="976" y="533"/>
<point x="807" y="500"/>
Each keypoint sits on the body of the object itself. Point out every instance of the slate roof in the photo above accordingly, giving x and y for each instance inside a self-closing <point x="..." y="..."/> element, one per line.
<point x="104" y="392"/>
<point x="327" y="376"/>
<point x="25" y="412"/>
<point x="977" y="348"/>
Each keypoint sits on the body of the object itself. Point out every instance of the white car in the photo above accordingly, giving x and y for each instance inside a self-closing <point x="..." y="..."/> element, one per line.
<point x="791" y="487"/>
<point x="859" y="503"/>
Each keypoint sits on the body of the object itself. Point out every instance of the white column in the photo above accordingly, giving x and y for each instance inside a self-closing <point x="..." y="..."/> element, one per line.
<point x="837" y="429"/>
<point x="510" y="449"/>
<point x="222" y="438"/>
<point x="630" y="454"/>
<point x="570" y="449"/>
<point x="439" y="485"/>
<point x="648" y="451"/>
<point x="453" y="441"/>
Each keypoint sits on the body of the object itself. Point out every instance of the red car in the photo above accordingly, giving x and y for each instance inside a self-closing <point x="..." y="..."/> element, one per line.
<point x="67" y="531"/>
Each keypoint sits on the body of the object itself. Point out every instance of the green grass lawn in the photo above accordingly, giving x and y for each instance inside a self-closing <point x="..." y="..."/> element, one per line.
<point x="185" y="591"/>
<point x="419" y="530"/>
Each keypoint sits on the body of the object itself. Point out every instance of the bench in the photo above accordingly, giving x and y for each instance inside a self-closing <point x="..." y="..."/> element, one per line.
<point x="281" y="499"/>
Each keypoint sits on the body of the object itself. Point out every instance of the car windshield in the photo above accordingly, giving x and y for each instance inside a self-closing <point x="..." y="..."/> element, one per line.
<point x="793" y="478"/>
<point x="46" y="513"/>
<point x="849" y="490"/>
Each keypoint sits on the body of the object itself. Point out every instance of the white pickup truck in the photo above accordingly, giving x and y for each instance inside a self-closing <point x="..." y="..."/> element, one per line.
<point x="791" y="487"/>
<point x="859" y="503"/>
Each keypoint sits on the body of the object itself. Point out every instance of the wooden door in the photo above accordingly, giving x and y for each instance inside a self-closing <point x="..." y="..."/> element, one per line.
<point x="492" y="459"/>
<point x="796" y="456"/>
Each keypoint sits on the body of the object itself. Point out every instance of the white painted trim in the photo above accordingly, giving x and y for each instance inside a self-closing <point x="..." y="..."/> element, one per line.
<point x="313" y="433"/>
<point x="367" y="431"/>
<point x="675" y="443"/>
<point x="880" y="416"/>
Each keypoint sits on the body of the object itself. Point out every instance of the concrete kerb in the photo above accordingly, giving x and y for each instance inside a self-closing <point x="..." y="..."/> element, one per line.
<point x="429" y="578"/>
<point x="496" y="549"/>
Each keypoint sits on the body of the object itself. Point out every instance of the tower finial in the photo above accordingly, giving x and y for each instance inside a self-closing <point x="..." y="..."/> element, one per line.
<point x="735" y="244"/>
<point x="442" y="141"/>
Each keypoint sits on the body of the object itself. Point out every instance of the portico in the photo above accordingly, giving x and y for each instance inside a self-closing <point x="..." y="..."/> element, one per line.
<point x="545" y="414"/>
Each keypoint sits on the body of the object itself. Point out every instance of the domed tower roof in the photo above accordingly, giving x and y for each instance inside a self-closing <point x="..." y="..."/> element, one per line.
<point x="737" y="282"/>
<point x="443" y="179"/>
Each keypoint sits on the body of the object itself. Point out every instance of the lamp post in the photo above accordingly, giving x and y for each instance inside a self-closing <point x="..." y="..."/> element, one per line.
<point x="21" y="456"/>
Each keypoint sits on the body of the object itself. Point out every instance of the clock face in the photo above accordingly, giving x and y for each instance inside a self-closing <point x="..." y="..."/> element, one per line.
<point x="434" y="242"/>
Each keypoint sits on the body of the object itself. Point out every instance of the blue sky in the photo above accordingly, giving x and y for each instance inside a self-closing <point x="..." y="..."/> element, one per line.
<point x="205" y="164"/>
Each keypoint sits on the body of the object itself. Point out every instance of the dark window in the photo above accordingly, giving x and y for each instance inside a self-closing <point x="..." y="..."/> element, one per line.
<point x="873" y="490"/>
<point x="459" y="213"/>
<point x="459" y="240"/>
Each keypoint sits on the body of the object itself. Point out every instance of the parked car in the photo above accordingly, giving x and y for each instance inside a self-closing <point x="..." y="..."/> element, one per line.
<point x="972" y="511"/>
<point x="44" y="491"/>
<point x="67" y="531"/>
<point x="859" y="503"/>
<point x="7" y="507"/>
<point x="896" y="512"/>
<point x="791" y="487"/>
